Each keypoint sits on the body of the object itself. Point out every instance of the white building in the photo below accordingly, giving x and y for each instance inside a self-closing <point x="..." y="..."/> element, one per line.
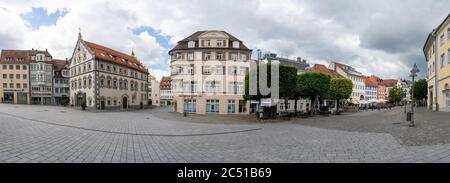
<point x="358" y="80"/>
<point x="153" y="91"/>
<point x="41" y="77"/>
<point x="106" y="79"/>
<point x="208" y="70"/>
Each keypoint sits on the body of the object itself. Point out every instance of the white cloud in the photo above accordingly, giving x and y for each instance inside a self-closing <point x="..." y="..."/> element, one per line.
<point x="377" y="37"/>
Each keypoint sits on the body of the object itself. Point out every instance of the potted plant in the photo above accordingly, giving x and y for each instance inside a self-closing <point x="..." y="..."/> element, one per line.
<point x="83" y="104"/>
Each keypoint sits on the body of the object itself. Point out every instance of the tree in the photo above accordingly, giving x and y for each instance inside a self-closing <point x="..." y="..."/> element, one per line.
<point x="313" y="85"/>
<point x="288" y="82"/>
<point x="395" y="95"/>
<point x="340" y="88"/>
<point x="420" y="89"/>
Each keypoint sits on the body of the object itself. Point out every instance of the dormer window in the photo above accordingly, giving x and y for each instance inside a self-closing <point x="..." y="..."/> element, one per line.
<point x="219" y="43"/>
<point x="20" y="59"/>
<point x="9" y="59"/>
<point x="207" y="43"/>
<point x="191" y="44"/>
<point x="235" y="44"/>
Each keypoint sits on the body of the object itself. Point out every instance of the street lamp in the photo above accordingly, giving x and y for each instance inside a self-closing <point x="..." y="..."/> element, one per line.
<point x="414" y="72"/>
<point x="405" y="101"/>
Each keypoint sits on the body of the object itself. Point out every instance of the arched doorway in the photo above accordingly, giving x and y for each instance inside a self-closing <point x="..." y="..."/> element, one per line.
<point x="124" y="102"/>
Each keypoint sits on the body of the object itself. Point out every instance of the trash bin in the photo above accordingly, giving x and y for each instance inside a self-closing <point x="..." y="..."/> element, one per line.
<point x="408" y="116"/>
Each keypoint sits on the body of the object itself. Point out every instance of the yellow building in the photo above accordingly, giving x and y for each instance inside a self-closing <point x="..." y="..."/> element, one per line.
<point x="14" y="76"/>
<point x="437" y="53"/>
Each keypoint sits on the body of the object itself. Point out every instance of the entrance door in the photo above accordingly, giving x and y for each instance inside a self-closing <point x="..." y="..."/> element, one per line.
<point x="431" y="101"/>
<point x="125" y="102"/>
<point x="102" y="105"/>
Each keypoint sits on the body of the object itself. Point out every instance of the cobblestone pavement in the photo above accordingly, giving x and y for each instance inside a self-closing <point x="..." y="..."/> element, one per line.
<point x="55" y="134"/>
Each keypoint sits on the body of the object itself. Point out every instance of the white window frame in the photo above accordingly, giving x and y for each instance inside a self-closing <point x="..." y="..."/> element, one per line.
<point x="191" y="44"/>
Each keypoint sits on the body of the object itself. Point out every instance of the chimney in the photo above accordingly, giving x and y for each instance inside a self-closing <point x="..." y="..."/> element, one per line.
<point x="67" y="59"/>
<point x="299" y="59"/>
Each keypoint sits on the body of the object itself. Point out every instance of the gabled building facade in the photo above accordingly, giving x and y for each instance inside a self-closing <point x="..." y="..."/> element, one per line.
<point x="41" y="77"/>
<point x="208" y="71"/>
<point x="437" y="55"/>
<point x="61" y="79"/>
<point x="165" y="91"/>
<point x="106" y="78"/>
<point x="356" y="77"/>
<point x="14" y="79"/>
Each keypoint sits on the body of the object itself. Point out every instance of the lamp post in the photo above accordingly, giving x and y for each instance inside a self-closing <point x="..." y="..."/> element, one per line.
<point x="414" y="72"/>
<point x="405" y="102"/>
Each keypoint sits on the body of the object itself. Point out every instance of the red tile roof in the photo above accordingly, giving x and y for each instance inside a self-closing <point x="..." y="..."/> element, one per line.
<point x="371" y="81"/>
<point x="110" y="55"/>
<point x="322" y="69"/>
<point x="389" y="82"/>
<point x="23" y="54"/>
<point x="166" y="83"/>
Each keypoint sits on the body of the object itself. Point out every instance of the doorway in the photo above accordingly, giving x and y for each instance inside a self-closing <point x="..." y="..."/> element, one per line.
<point x="431" y="101"/>
<point x="125" y="102"/>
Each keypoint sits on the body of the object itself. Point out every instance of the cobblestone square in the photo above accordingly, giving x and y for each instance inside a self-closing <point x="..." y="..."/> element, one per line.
<point x="32" y="134"/>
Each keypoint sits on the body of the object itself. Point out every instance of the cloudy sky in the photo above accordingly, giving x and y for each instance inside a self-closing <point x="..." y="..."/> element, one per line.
<point x="378" y="37"/>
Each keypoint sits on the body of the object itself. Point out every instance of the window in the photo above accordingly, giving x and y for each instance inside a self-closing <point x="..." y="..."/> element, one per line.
<point x="191" y="70"/>
<point x="242" y="71"/>
<point x="5" y="76"/>
<point x="234" y="56"/>
<point x="25" y="85"/>
<point x="207" y="70"/>
<point x="232" y="87"/>
<point x="190" y="105"/>
<point x="441" y="40"/>
<point x="207" y="43"/>
<point x="4" y="67"/>
<point x="233" y="70"/>
<point x="243" y="56"/>
<point x="18" y="76"/>
<point x="212" y="106"/>
<point x="448" y="56"/>
<point x="243" y="107"/>
<point x="219" y="56"/>
<point x="5" y="85"/>
<point x="442" y="60"/>
<point x="11" y="67"/>
<point x="231" y="106"/>
<point x="11" y="76"/>
<point x="17" y="67"/>
<point x="448" y="33"/>
<point x="190" y="86"/>
<point x="240" y="87"/>
<point x="191" y="44"/>
<point x="235" y="44"/>
<point x="219" y="70"/>
<point x="219" y="43"/>
<point x="11" y="85"/>
<point x="18" y="85"/>
<point x="177" y="56"/>
<point x="207" y="56"/>
<point x="190" y="56"/>
<point x="24" y="67"/>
